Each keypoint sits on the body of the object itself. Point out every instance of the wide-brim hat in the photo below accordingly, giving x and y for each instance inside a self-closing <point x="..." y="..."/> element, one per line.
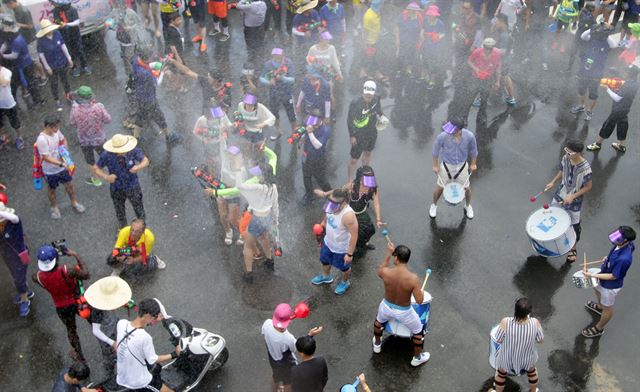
<point x="120" y="144"/>
<point x="6" y="209"/>
<point x="108" y="293"/>
<point x="46" y="26"/>
<point x="305" y="7"/>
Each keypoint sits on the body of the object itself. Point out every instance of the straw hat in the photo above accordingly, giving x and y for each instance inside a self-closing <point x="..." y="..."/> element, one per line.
<point x="306" y="7"/>
<point x="46" y="27"/>
<point x="108" y="293"/>
<point x="120" y="144"/>
<point x="6" y="209"/>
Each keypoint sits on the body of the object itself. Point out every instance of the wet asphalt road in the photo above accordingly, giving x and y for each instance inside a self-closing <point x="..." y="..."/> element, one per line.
<point x="479" y="267"/>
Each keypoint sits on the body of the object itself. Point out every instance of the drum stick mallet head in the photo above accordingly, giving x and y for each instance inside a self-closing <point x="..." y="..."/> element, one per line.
<point x="385" y="234"/>
<point x="534" y="198"/>
<point x="426" y="277"/>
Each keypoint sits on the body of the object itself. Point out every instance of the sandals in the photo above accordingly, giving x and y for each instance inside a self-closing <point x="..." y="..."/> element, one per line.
<point x="572" y="256"/>
<point x="619" y="147"/>
<point x="593" y="306"/>
<point x="592" y="332"/>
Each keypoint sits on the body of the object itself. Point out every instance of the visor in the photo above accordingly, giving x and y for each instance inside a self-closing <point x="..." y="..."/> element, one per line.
<point x="326" y="36"/>
<point x="233" y="150"/>
<point x="255" y="171"/>
<point x="277" y="52"/>
<point x="449" y="128"/>
<point x="369" y="181"/>
<point x="331" y="206"/>
<point x="616" y="237"/>
<point x="312" y="120"/>
<point x="250" y="99"/>
<point x="216" y="112"/>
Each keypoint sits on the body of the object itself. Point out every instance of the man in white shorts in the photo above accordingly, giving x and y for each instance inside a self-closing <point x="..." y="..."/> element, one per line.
<point x="457" y="149"/>
<point x="399" y="284"/>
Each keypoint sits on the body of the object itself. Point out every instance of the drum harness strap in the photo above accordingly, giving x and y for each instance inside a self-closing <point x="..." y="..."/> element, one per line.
<point x="457" y="174"/>
<point x="418" y="340"/>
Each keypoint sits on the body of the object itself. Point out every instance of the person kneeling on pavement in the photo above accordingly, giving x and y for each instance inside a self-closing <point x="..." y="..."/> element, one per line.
<point x="132" y="253"/>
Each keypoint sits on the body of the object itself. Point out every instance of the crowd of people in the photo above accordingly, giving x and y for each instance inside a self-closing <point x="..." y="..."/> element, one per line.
<point x="300" y="68"/>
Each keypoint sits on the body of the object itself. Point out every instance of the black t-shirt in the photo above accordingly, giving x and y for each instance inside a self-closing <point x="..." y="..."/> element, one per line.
<point x="67" y="14"/>
<point x="174" y="38"/>
<point x="107" y="321"/>
<point x="310" y="376"/>
<point x="24" y="17"/>
<point x="628" y="93"/>
<point x="208" y="92"/>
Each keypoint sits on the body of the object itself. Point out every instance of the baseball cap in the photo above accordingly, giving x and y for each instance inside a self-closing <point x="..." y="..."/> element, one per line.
<point x="369" y="87"/>
<point x="47" y="257"/>
<point x="282" y="316"/>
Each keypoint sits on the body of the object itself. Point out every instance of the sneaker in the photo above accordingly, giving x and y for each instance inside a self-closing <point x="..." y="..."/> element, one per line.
<point x="19" y="143"/>
<point x="623" y="43"/>
<point x="588" y="115"/>
<point x="469" y="211"/>
<point x="96" y="181"/>
<point x="370" y="246"/>
<point x="55" y="213"/>
<point x="26" y="94"/>
<point x="24" y="308"/>
<point x="275" y="137"/>
<point x="342" y="287"/>
<point x="173" y="138"/>
<point x="269" y="264"/>
<point x="75" y="72"/>
<point x="619" y="147"/>
<point x="424" y="357"/>
<point x="510" y="101"/>
<point x="197" y="38"/>
<point x="594" y="147"/>
<point x="376" y="347"/>
<point x="79" y="207"/>
<point x="433" y="210"/>
<point x="87" y="70"/>
<point x="161" y="264"/>
<point x="16" y="299"/>
<point x="240" y="241"/>
<point x="224" y="37"/>
<point x="58" y="106"/>
<point x="228" y="237"/>
<point x="545" y="67"/>
<point x="577" y="109"/>
<point x="321" y="279"/>
<point x="43" y="82"/>
<point x="214" y="32"/>
<point x="476" y="102"/>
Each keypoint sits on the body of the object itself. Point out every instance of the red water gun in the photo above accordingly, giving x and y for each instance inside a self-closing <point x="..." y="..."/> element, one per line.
<point x="275" y="4"/>
<point x="36" y="169"/>
<point x="223" y="91"/>
<point x="281" y="70"/>
<point x="126" y="251"/>
<point x="238" y="122"/>
<point x="84" y="310"/>
<point x="318" y="231"/>
<point x="612" y="83"/>
<point x="303" y="28"/>
<point x="326" y="70"/>
<point x="206" y="180"/>
<point x="296" y="135"/>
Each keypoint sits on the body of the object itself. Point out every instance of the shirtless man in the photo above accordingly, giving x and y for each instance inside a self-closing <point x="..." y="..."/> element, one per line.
<point x="399" y="284"/>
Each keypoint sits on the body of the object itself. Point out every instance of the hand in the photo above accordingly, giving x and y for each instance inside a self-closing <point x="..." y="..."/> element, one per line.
<point x="327" y="121"/>
<point x="134" y="169"/>
<point x="111" y="178"/>
<point x="114" y="346"/>
<point x="568" y="199"/>
<point x="3" y="187"/>
<point x="354" y="141"/>
<point x="272" y="82"/>
<point x="348" y="259"/>
<point x="363" y="381"/>
<point x="309" y="129"/>
<point x="318" y="192"/>
<point x="70" y="64"/>
<point x="315" y="330"/>
<point x="298" y="110"/>
<point x="435" y="169"/>
<point x="210" y="192"/>
<point x="178" y="350"/>
<point x="390" y="248"/>
<point x="71" y="252"/>
<point x="379" y="223"/>
<point x="49" y="71"/>
<point x="549" y="186"/>
<point x="586" y="273"/>
<point x="473" y="167"/>
<point x="307" y="33"/>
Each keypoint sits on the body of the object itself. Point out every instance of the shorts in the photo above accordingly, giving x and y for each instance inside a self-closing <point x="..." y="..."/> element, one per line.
<point x="33" y="50"/>
<point x="89" y="157"/>
<point x="607" y="296"/>
<point x="281" y="370"/>
<point x="365" y="142"/>
<point x="12" y="115"/>
<point x="218" y="8"/>
<point x="585" y="84"/>
<point x="155" y="385"/>
<point x="254" y="137"/>
<point x="259" y="225"/>
<point x="327" y="257"/>
<point x="149" y="111"/>
<point x="404" y="314"/>
<point x="462" y="179"/>
<point x="199" y="12"/>
<point x="53" y="180"/>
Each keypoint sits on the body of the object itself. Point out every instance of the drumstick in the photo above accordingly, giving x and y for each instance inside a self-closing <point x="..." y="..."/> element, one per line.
<point x="426" y="277"/>
<point x="584" y="262"/>
<point x="534" y="198"/>
<point x="594" y="262"/>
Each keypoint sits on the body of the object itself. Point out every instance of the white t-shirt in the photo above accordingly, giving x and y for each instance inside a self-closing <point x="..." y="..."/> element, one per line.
<point x="133" y="351"/>
<point x="6" y="98"/>
<point x="278" y="342"/>
<point x="48" y="146"/>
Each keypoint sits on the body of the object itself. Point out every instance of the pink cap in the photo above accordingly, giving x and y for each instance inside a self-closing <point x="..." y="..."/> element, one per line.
<point x="432" y="10"/>
<point x="277" y="51"/>
<point x="282" y="316"/>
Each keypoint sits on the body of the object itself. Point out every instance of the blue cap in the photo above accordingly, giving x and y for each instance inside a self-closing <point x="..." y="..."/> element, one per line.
<point x="47" y="257"/>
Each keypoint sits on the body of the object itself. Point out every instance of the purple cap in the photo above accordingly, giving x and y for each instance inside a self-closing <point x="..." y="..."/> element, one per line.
<point x="277" y="51"/>
<point x="250" y="99"/>
<point x="616" y="237"/>
<point x="369" y="181"/>
<point x="233" y="150"/>
<point x="216" y="112"/>
<point x="449" y="128"/>
<point x="326" y="35"/>
<point x="330" y="206"/>
<point x="255" y="171"/>
<point x="312" y="120"/>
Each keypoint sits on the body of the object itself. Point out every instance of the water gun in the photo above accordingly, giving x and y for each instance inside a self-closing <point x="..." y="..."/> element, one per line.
<point x="303" y="28"/>
<point x="211" y="132"/>
<point x="157" y="66"/>
<point x="322" y="68"/>
<point x="277" y="245"/>
<point x="281" y="70"/>
<point x="126" y="251"/>
<point x="223" y="91"/>
<point x="612" y="83"/>
<point x="460" y="34"/>
<point x="318" y="231"/>
<point x="297" y="134"/>
<point x="66" y="158"/>
<point x="84" y="310"/>
<point x="36" y="169"/>
<point x="275" y="4"/>
<point x="206" y="180"/>
<point x="238" y="122"/>
<point x="435" y="37"/>
<point x="110" y="24"/>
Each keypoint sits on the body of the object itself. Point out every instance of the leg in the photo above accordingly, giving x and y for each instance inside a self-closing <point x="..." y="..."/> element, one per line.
<point x="366" y="158"/>
<point x="64" y="77"/>
<point x="622" y="128"/>
<point x="32" y="84"/>
<point x="223" y="212"/>
<point x="51" y="194"/>
<point x="118" y="197"/>
<point x="467" y="195"/>
<point x="378" y="328"/>
<point x="18" y="272"/>
<point x="308" y="168"/>
<point x="53" y="82"/>
<point x="499" y="380"/>
<point x="71" y="191"/>
<point x="68" y="317"/>
<point x="320" y="174"/>
<point x="437" y="193"/>
<point x="418" y="344"/>
<point x="353" y="163"/>
<point x="532" y="375"/>
<point x="144" y="10"/>
<point x="135" y="197"/>
<point x="248" y="251"/>
<point x="267" y="246"/>
<point x="607" y="314"/>
<point x="155" y="13"/>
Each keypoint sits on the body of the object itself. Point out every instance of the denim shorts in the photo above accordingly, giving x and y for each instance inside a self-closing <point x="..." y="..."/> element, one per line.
<point x="327" y="257"/>
<point x="59" y="178"/>
<point x="259" y="225"/>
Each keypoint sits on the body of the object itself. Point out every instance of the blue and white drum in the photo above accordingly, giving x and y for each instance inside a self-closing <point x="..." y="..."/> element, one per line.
<point x="423" y="309"/>
<point x="453" y="193"/>
<point x="550" y="232"/>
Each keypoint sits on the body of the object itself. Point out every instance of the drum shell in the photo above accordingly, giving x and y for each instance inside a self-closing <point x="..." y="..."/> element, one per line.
<point x="423" y="310"/>
<point x="559" y="244"/>
<point x="453" y="193"/>
<point x="582" y="283"/>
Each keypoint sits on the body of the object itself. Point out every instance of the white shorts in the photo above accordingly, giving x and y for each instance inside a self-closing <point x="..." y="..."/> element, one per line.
<point x="463" y="177"/>
<point x="404" y="315"/>
<point x="607" y="296"/>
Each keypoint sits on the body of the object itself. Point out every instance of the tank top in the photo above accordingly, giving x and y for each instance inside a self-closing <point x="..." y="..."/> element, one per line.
<point x="337" y="235"/>
<point x="60" y="286"/>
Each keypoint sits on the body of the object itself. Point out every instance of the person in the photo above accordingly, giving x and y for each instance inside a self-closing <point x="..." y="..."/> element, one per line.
<point x="334" y="16"/>
<point x="565" y="13"/>
<point x="167" y="9"/>
<point x="605" y="7"/>
<point x="339" y="244"/>
<point x="486" y="67"/>
<point x="279" y="75"/>
<point x="253" y="16"/>
<point x="593" y="63"/>
<point x="315" y="96"/>
<point x="611" y="277"/>
<point x="218" y="11"/>
<point x="61" y="281"/>
<point x="434" y="46"/>
<point x="314" y="157"/>
<point x="261" y="195"/>
<point x="140" y="258"/>
<point x="211" y="129"/>
<point x="136" y="351"/>
<point x="457" y="148"/>
<point x="199" y="13"/>
<point x="88" y="116"/>
<point x="273" y="14"/>
<point x="8" y="108"/>
<point x="154" y="7"/>
<point x="255" y="116"/>
<point x="131" y="36"/>
<point x="66" y="16"/>
<point x="631" y="15"/>
<point x="248" y="80"/>
<point x="504" y="44"/>
<point x="518" y="336"/>
<point x="72" y="378"/>
<point x="575" y="172"/>
<point x="281" y="345"/>
<point x="371" y="26"/>
<point x="511" y="9"/>
<point x="364" y="113"/>
<point x="56" y="170"/>
<point x="408" y="33"/>
<point x="312" y="374"/>
<point x="123" y="160"/>
<point x="399" y="285"/>
<point x="174" y="41"/>
<point x="55" y="58"/>
<point x="15" y="253"/>
<point x="323" y="56"/>
<point x="586" y="19"/>
<point x="213" y="86"/>
<point x="306" y="15"/>
<point x="621" y="106"/>
<point x="536" y="30"/>
<point x="467" y="34"/>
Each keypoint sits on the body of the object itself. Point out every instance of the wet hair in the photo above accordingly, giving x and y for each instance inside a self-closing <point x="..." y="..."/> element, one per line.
<point x="340" y="194"/>
<point x="139" y="220"/>
<point x="458" y="122"/>
<point x="628" y="233"/>
<point x="51" y="121"/>
<point x="522" y="309"/>
<point x="575" y="145"/>
<point x="306" y="345"/>
<point x="403" y="253"/>
<point x="503" y="18"/>
<point x="149" y="306"/>
<point x="589" y="6"/>
<point x="173" y="16"/>
<point x="215" y="74"/>
<point x="249" y="65"/>
<point x="79" y="371"/>
<point x="361" y="172"/>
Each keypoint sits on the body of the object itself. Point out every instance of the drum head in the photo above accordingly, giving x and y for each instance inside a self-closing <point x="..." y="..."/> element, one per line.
<point x="453" y="193"/>
<point x="427" y="298"/>
<point x="549" y="224"/>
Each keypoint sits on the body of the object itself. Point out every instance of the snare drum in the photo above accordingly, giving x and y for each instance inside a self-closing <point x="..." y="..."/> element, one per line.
<point x="581" y="282"/>
<point x="423" y="309"/>
<point x="453" y="193"/>
<point x="550" y="232"/>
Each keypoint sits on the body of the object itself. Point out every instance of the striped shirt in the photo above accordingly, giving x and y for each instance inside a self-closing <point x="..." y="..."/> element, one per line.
<point x="518" y="351"/>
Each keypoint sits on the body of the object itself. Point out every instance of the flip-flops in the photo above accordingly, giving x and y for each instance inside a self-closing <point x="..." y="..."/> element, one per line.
<point x="572" y="256"/>
<point x="619" y="147"/>
<point x="592" y="332"/>
<point x="593" y="306"/>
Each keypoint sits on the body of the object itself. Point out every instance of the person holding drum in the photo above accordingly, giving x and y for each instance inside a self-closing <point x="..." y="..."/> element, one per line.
<point x="517" y="354"/>
<point x="614" y="269"/>
<point x="575" y="172"/>
<point x="399" y="285"/>
<point x="457" y="148"/>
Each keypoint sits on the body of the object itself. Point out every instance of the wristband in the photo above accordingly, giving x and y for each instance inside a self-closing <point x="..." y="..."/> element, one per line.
<point x="350" y="254"/>
<point x="174" y="355"/>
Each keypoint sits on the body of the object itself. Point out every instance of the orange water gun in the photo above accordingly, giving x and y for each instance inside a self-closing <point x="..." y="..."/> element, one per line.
<point x="612" y="83"/>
